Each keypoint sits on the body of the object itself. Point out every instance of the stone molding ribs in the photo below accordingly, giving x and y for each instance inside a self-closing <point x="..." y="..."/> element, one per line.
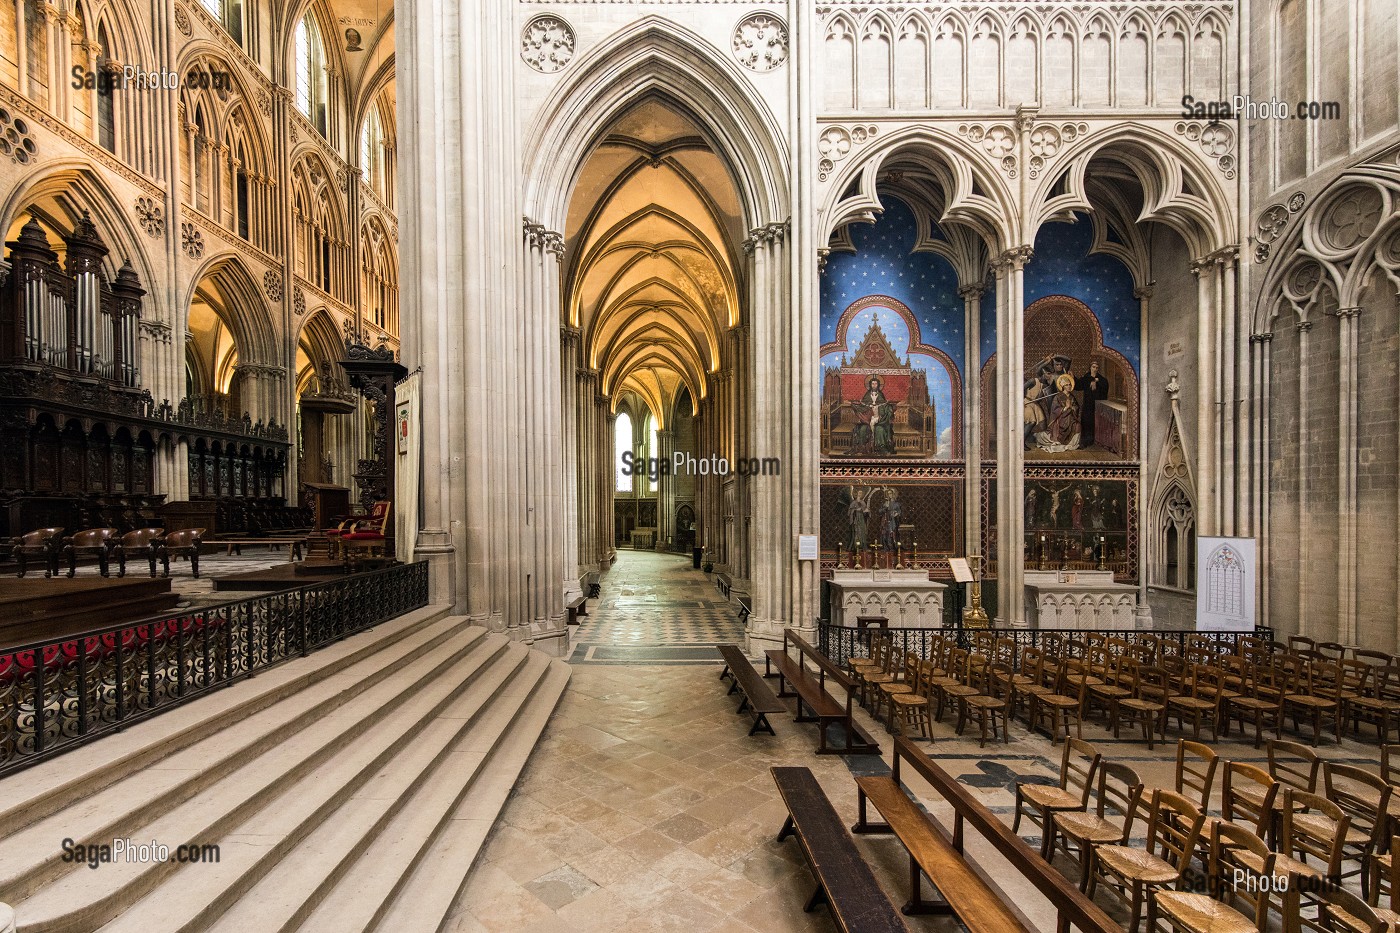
<point x="547" y="43"/>
<point x="761" y="41"/>
<point x="12" y="100"/>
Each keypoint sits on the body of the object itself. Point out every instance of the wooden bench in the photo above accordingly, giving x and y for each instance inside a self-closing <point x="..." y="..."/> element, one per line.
<point x="745" y="609"/>
<point x="934" y="854"/>
<point x="844" y="879"/>
<point x="758" y="696"/>
<point x="811" y="693"/>
<point x="235" y="545"/>
<point x="592" y="584"/>
<point x="577" y="608"/>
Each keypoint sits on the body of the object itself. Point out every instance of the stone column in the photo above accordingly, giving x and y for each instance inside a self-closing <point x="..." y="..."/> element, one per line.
<point x="570" y="417"/>
<point x="972" y="418"/>
<point x="665" y="489"/>
<point x="1207" y="449"/>
<point x="1011" y="378"/>
<point x="1304" y="527"/>
<point x="1144" y="610"/>
<point x="607" y="477"/>
<point x="1348" y="320"/>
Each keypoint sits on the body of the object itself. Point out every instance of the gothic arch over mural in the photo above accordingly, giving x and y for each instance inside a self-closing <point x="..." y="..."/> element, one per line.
<point x="1063" y="337"/>
<point x="926" y="416"/>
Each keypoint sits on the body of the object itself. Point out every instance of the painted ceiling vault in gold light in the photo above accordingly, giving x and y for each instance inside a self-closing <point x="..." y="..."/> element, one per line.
<point x="653" y="242"/>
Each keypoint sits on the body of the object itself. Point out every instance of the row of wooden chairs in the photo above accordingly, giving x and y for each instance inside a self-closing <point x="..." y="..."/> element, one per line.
<point x="1271" y="821"/>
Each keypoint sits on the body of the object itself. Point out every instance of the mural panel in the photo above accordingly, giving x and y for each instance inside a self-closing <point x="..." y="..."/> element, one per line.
<point x="859" y="512"/>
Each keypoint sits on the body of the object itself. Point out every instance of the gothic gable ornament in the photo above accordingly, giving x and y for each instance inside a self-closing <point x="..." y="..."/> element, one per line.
<point x="761" y="42"/>
<point x="547" y="44"/>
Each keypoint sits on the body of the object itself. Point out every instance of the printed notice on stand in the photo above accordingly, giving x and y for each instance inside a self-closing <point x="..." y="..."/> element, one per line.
<point x="807" y="547"/>
<point x="1225" y="577"/>
<point x="962" y="573"/>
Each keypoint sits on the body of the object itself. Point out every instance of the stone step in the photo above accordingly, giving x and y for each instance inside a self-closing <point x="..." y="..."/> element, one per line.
<point x="61" y="781"/>
<point x="28" y="857"/>
<point x="375" y="838"/>
<point x="423" y="900"/>
<point x="419" y="866"/>
<point x="282" y="795"/>
<point x="267" y="877"/>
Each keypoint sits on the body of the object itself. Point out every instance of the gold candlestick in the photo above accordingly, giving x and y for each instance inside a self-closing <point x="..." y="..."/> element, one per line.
<point x="875" y="556"/>
<point x="840" y="561"/>
<point x="898" y="554"/>
<point x="974" y="616"/>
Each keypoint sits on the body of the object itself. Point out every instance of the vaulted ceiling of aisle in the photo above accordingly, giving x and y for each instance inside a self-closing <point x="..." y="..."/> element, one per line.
<point x="653" y="237"/>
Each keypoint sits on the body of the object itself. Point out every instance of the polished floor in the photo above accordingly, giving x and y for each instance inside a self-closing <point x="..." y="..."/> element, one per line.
<point x="646" y="807"/>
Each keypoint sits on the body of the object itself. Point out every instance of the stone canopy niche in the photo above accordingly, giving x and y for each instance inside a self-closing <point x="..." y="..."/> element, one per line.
<point x="374" y="373"/>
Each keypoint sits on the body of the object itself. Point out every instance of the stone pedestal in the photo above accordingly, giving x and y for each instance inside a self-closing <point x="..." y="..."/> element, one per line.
<point x="907" y="598"/>
<point x="1082" y="599"/>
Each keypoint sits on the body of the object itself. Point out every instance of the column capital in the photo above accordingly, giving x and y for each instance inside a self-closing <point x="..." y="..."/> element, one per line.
<point x="570" y="334"/>
<point x="1014" y="259"/>
<point x="1145" y="292"/>
<point x="1026" y="115"/>
<point x="768" y="233"/>
<point x="1265" y="337"/>
<point x="1304" y="326"/>
<point x="969" y="292"/>
<point x="1349" y="312"/>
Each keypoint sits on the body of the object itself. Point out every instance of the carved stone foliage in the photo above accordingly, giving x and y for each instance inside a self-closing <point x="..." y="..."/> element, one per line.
<point x="16" y="143"/>
<point x="182" y="21"/>
<point x="836" y="142"/>
<point x="547" y="44"/>
<point x="1216" y="140"/>
<point x="272" y="284"/>
<point x="151" y="215"/>
<point x="761" y="41"/>
<point x="191" y="240"/>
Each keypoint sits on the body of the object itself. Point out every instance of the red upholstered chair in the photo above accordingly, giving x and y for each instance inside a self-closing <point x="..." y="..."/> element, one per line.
<point x="142" y="543"/>
<point x="42" y="543"/>
<point x="376" y="516"/>
<point x="97" y="541"/>
<point x="366" y="535"/>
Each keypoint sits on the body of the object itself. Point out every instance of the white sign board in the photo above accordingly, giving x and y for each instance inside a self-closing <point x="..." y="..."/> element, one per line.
<point x="962" y="573"/>
<point x="1226" y="570"/>
<point x="807" y="547"/>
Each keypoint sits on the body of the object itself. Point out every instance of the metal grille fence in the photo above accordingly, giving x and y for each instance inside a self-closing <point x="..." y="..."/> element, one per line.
<point x="58" y="694"/>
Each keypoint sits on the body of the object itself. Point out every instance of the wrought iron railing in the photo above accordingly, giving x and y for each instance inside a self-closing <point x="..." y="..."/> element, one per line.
<point x="840" y="643"/>
<point x="58" y="694"/>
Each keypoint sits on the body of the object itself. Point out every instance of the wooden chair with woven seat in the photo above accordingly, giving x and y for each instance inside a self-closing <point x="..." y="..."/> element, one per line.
<point x="947" y="687"/>
<point x="1192" y="912"/>
<point x="1195" y="704"/>
<point x="1390" y="763"/>
<point x="1079" y="765"/>
<point x="1333" y="651"/>
<point x="1365" y="798"/>
<point x="905" y="683"/>
<point x="1196" y="764"/>
<point x="1110" y="691"/>
<point x="1146" y="706"/>
<point x="910" y="710"/>
<point x="1312" y="827"/>
<point x="1063" y="701"/>
<point x="861" y="668"/>
<point x="1132" y="874"/>
<point x="956" y="693"/>
<point x="1384" y="885"/>
<point x="1378" y="704"/>
<point x="872" y="677"/>
<point x="1260" y="699"/>
<point x="1313" y="693"/>
<point x="1301" y="643"/>
<point x="1247" y="796"/>
<point x="995" y="693"/>
<point x="1340" y="911"/>
<point x="1294" y="764"/>
<point x="1118" y="797"/>
<point x="1213" y="683"/>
